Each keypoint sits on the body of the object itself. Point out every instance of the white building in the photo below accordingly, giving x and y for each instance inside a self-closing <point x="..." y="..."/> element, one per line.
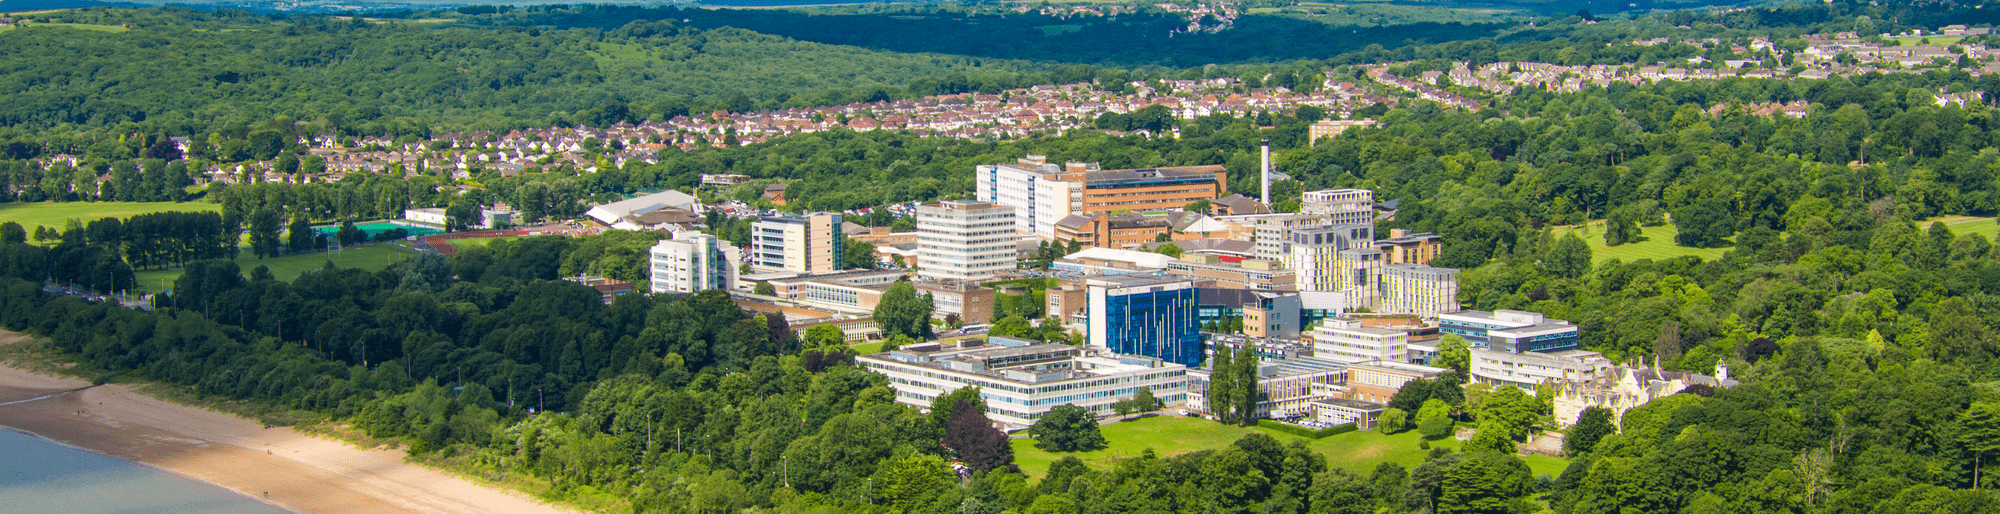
<point x="1341" y="206"/>
<point x="1273" y="233"/>
<point x="1022" y="380"/>
<point x="1526" y="369"/>
<point x="693" y="262"/>
<point x="965" y="240"/>
<point x="1419" y="289"/>
<point x="810" y="243"/>
<point x="427" y="216"/>
<point x="612" y="212"/>
<point x="1347" y="341"/>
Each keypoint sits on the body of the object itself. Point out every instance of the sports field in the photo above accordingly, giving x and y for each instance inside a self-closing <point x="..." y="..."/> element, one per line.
<point x="371" y="257"/>
<point x="1657" y="245"/>
<point x="57" y="215"/>
<point x="1170" y="435"/>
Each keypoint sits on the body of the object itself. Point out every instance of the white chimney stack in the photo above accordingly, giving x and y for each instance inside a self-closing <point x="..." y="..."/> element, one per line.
<point x="1266" y="172"/>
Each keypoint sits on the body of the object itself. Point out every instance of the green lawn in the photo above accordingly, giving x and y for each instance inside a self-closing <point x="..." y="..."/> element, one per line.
<point x="57" y="215"/>
<point x="372" y="257"/>
<point x="1658" y="244"/>
<point x="99" y="28"/>
<point x="1963" y="225"/>
<point x="1172" y="435"/>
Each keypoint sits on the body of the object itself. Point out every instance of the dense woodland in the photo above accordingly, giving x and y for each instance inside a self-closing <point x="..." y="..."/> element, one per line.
<point x="1862" y="333"/>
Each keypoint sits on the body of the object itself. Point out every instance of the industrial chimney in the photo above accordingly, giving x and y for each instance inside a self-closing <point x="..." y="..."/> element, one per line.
<point x="1266" y="172"/>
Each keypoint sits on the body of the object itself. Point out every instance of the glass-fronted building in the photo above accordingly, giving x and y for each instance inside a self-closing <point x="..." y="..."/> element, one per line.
<point x="1153" y="316"/>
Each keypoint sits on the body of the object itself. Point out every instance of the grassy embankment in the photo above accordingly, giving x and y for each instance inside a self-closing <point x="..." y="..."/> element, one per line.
<point x="1172" y="435"/>
<point x="57" y="215"/>
<point x="1658" y="242"/>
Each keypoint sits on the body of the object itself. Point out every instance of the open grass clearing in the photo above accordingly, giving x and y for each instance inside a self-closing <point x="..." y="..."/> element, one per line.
<point x="375" y="256"/>
<point x="1657" y="244"/>
<point x="58" y="214"/>
<point x="1170" y="435"/>
<point x="83" y="26"/>
<point x="1965" y="225"/>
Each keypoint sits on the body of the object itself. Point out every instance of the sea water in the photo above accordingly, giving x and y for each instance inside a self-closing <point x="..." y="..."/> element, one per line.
<point x="41" y="476"/>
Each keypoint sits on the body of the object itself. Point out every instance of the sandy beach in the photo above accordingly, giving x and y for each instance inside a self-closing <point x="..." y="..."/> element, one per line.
<point x="299" y="472"/>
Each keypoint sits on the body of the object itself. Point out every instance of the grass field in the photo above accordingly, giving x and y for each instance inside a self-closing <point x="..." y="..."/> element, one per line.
<point x="1658" y="244"/>
<point x="1966" y="225"/>
<point x="372" y="257"/>
<point x="99" y="28"/>
<point x="1171" y="435"/>
<point x="57" y="215"/>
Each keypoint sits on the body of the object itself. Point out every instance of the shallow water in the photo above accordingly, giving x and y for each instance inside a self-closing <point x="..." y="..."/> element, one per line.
<point x="39" y="476"/>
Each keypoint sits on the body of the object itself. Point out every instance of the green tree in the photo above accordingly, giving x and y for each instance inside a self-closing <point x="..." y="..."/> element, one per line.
<point x="1392" y="421"/>
<point x="764" y="288"/>
<point x="1592" y="425"/>
<point x="1434" y="419"/>
<point x="1015" y="326"/>
<point x="1568" y="258"/>
<point x="12" y="233"/>
<point x="901" y="311"/>
<point x="1486" y="483"/>
<point x="1455" y="354"/>
<point x="910" y="481"/>
<point x="1979" y="430"/>
<point x="1067" y="428"/>
<point x="1245" y="397"/>
<point x="1340" y="491"/>
<point x="1221" y="381"/>
<point x="857" y="254"/>
<point x="1706" y="224"/>
<point x="825" y="335"/>
<point x="264" y="227"/>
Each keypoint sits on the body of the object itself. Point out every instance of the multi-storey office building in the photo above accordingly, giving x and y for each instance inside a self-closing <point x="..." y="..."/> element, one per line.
<point x="803" y="244"/>
<point x="1346" y="340"/>
<point x="965" y="240"/>
<point x="1510" y="331"/>
<point x="1152" y="316"/>
<point x="1418" y="289"/>
<point x="692" y="262"/>
<point x="1341" y="206"/>
<point x="1043" y="193"/>
<point x="1022" y="380"/>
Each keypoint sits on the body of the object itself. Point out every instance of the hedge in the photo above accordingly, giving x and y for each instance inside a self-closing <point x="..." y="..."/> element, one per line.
<point x="1306" y="432"/>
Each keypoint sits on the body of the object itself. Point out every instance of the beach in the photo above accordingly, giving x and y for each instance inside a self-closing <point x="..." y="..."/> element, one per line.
<point x="280" y="466"/>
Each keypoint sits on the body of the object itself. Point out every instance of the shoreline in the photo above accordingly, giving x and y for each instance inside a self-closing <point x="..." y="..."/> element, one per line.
<point x="300" y="473"/>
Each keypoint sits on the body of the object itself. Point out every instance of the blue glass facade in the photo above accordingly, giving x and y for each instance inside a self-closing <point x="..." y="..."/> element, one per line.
<point x="1162" y="324"/>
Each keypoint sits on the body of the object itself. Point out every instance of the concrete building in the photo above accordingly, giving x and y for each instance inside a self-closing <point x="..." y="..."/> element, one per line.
<point x="1103" y="230"/>
<point x="1347" y="341"/>
<point x="1022" y="380"/>
<point x="1334" y="258"/>
<point x="608" y="289"/>
<point x="808" y="243"/>
<point x="1526" y="369"/>
<point x="1273" y="233"/>
<point x="965" y="240"/>
<point x="1265" y="314"/>
<point x="1218" y="271"/>
<point x="1340" y="206"/>
<point x="1419" y="289"/>
<point x="1510" y="331"/>
<point x="1152" y="316"/>
<point x="1043" y="193"/>
<point x="1378" y="381"/>
<point x="1289" y="378"/>
<point x="692" y="262"/>
<point x="1331" y="128"/>
<point x="970" y="301"/>
<point x="850" y="292"/>
<point x="1403" y="247"/>
<point x="1341" y="411"/>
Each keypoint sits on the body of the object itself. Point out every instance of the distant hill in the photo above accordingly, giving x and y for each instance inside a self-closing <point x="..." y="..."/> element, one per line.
<point x="38" y="5"/>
